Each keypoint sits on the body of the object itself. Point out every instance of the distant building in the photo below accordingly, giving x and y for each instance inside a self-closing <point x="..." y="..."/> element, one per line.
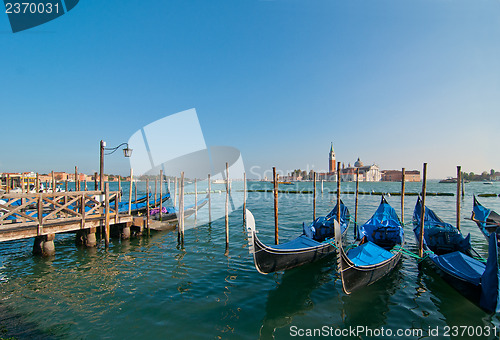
<point x="331" y="161"/>
<point x="397" y="175"/>
<point x="369" y="173"/>
<point x="331" y="175"/>
<point x="495" y="176"/>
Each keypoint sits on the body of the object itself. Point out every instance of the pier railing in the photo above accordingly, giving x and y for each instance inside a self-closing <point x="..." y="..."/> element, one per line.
<point x="60" y="211"/>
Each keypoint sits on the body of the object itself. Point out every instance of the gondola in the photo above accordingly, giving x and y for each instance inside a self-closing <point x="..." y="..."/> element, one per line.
<point x="316" y="242"/>
<point x="487" y="220"/>
<point x="377" y="251"/>
<point x="169" y="214"/>
<point x="457" y="262"/>
<point x="140" y="208"/>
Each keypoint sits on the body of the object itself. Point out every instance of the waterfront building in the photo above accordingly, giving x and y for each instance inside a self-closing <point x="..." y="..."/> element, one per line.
<point x="368" y="173"/>
<point x="397" y="175"/>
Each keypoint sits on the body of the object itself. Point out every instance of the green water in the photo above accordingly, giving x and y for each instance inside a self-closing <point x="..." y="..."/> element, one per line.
<point x="154" y="288"/>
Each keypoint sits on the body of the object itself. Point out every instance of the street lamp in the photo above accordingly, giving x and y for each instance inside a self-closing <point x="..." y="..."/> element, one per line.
<point x="127" y="152"/>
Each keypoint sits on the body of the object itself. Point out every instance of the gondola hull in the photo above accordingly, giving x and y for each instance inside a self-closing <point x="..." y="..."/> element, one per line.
<point x="300" y="251"/>
<point x="454" y="259"/>
<point x="356" y="277"/>
<point x="172" y="216"/>
<point x="369" y="262"/>
<point x="268" y="260"/>
<point x="488" y="221"/>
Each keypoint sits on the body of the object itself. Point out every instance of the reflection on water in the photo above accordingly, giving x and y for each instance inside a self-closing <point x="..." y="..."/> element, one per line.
<point x="292" y="295"/>
<point x="154" y="288"/>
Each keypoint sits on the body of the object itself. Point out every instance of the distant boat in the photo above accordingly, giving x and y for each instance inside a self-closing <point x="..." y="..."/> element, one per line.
<point x="448" y="180"/>
<point x="220" y="181"/>
<point x="487" y="182"/>
<point x="286" y="183"/>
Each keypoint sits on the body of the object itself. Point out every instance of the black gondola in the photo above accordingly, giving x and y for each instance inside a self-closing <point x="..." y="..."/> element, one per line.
<point x="377" y="252"/>
<point x="170" y="214"/>
<point x="316" y="242"/>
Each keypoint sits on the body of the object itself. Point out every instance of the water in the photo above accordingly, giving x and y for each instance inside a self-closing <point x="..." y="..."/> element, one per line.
<point x="153" y="288"/>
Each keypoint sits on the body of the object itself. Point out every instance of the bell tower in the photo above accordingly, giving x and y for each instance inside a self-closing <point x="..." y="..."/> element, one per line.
<point x="331" y="160"/>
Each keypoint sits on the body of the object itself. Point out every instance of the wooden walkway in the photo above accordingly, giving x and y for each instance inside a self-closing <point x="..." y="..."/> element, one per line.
<point x="40" y="214"/>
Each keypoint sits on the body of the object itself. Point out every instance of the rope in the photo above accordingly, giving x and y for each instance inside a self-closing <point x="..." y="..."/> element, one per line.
<point x="332" y="242"/>
<point x="479" y="258"/>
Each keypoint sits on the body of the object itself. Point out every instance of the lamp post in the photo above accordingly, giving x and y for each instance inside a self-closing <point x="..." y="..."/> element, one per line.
<point x="127" y="152"/>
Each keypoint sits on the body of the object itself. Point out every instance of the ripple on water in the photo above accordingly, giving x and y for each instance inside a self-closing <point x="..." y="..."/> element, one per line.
<point x="153" y="288"/>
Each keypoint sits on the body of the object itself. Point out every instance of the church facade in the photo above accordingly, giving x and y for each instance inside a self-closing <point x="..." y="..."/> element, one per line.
<point x="367" y="173"/>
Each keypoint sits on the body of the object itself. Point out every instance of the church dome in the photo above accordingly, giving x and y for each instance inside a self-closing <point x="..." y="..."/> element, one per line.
<point x="358" y="164"/>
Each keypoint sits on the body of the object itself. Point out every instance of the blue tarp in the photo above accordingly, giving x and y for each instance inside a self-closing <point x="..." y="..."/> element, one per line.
<point x="368" y="254"/>
<point x="323" y="228"/>
<point x="299" y="243"/>
<point x="439" y="236"/>
<point x="460" y="265"/>
<point x="451" y="253"/>
<point x="490" y="280"/>
<point x="384" y="227"/>
<point x="487" y="220"/>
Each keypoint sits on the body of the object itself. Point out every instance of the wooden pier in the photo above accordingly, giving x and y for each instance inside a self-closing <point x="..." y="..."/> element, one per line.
<point x="42" y="215"/>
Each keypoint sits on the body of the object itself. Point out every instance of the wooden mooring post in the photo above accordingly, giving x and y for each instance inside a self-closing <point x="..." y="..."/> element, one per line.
<point x="135" y="192"/>
<point x="459" y="182"/>
<point x="275" y="191"/>
<point x="106" y="220"/>
<point x="181" y="205"/>
<point x="156" y="190"/>
<point x="161" y="193"/>
<point x="356" y="204"/>
<point x="130" y="191"/>
<point x="180" y="232"/>
<point x="403" y="196"/>
<point x="147" y="205"/>
<point x="175" y="192"/>
<point x="314" y="195"/>
<point x="244" y="198"/>
<point x="422" y="213"/>
<point x="119" y="198"/>
<point x="77" y="183"/>
<point x="227" y="206"/>
<point x="195" y="199"/>
<point x="338" y="192"/>
<point x="209" y="200"/>
<point x="53" y="182"/>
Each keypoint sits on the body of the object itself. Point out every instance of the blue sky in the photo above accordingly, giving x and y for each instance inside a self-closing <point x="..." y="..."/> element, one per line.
<point x="397" y="83"/>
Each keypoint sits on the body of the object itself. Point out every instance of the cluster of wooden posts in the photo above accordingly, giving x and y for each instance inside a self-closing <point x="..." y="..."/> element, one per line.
<point x="102" y="213"/>
<point x="65" y="211"/>
<point x="423" y="195"/>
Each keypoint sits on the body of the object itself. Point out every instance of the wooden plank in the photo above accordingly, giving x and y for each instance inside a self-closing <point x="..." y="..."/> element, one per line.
<point x="17" y="231"/>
